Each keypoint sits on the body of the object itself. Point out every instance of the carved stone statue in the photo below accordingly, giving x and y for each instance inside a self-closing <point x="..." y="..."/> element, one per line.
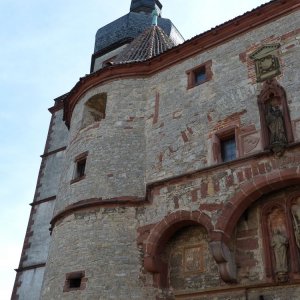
<point x="275" y="122"/>
<point x="279" y="245"/>
<point x="296" y="221"/>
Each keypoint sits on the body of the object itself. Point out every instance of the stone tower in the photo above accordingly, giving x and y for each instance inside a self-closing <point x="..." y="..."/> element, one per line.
<point x="172" y="170"/>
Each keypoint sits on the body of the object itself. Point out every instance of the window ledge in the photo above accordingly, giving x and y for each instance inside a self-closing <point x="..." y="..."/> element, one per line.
<point x="77" y="179"/>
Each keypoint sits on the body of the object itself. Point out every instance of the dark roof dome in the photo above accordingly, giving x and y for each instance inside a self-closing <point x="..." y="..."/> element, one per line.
<point x="152" y="42"/>
<point x="128" y="27"/>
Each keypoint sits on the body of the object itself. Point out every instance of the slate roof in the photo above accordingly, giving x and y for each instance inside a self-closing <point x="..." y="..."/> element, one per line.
<point x="130" y="26"/>
<point x="152" y="42"/>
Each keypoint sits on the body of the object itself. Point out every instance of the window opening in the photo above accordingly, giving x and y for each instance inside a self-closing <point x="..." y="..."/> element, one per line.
<point x="228" y="149"/>
<point x="94" y="109"/>
<point x="74" y="282"/>
<point x="80" y="168"/>
<point x="200" y="75"/>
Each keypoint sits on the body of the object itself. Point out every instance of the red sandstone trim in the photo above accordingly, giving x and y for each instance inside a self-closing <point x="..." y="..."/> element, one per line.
<point x="151" y="188"/>
<point x="191" y="80"/>
<point x="53" y="152"/>
<point x="26" y="246"/>
<point x="156" y="109"/>
<point x="57" y="107"/>
<point x="249" y="193"/>
<point x="217" y="36"/>
<point x="159" y="235"/>
<point x="81" y="156"/>
<point x="19" y="270"/>
<point x="43" y="201"/>
<point x="231" y="288"/>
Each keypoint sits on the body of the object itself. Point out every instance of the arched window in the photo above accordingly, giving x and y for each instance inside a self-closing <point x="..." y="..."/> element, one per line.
<point x="275" y="119"/>
<point x="94" y="109"/>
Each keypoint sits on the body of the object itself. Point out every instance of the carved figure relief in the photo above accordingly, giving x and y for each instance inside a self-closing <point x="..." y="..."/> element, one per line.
<point x="296" y="221"/>
<point x="266" y="62"/>
<point x="278" y="242"/>
<point x="250" y="142"/>
<point x="275" y="120"/>
<point x="280" y="245"/>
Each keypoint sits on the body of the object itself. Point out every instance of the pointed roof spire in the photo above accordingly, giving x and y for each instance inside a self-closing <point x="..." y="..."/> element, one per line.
<point x="152" y="42"/>
<point x="146" y="6"/>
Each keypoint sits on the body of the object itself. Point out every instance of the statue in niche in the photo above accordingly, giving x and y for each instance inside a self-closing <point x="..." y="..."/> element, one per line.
<point x="275" y="123"/>
<point x="279" y="244"/>
<point x="296" y="221"/>
<point x="276" y="126"/>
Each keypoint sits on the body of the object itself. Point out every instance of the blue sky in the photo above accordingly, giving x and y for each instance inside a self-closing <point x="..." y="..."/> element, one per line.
<point x="45" y="47"/>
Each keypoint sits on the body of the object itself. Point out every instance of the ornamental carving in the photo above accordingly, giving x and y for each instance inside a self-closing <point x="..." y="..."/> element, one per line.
<point x="281" y="232"/>
<point x="266" y="62"/>
<point x="194" y="259"/>
<point x="295" y="209"/>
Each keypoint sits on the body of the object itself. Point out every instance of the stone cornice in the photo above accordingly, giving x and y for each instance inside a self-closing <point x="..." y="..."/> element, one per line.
<point x="212" y="38"/>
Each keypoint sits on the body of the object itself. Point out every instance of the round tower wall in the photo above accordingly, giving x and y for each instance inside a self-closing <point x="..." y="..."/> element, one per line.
<point x="114" y="147"/>
<point x="102" y="244"/>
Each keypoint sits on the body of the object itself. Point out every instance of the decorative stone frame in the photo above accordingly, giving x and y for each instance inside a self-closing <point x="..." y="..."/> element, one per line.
<point x="218" y="137"/>
<point x="266" y="61"/>
<point x="75" y="275"/>
<point x="191" y="74"/>
<point x="292" y="249"/>
<point x="81" y="157"/>
<point x="272" y="88"/>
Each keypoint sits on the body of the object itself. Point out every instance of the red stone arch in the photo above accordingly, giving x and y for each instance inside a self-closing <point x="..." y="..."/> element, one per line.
<point x="236" y="206"/>
<point x="160" y="235"/>
<point x="248" y="194"/>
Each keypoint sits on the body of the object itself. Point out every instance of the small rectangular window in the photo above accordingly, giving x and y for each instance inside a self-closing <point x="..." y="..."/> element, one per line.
<point x="75" y="281"/>
<point x="228" y="149"/>
<point x="79" y="167"/>
<point x="224" y="145"/>
<point x="199" y="74"/>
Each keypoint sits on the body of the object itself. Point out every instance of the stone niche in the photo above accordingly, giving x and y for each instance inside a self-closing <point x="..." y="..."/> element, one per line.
<point x="266" y="243"/>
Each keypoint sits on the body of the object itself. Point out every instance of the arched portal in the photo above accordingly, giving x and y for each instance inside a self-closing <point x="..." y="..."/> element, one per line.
<point x="162" y="233"/>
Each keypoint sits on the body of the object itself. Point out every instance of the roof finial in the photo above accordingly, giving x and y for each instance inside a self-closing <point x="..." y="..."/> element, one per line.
<point x="154" y="17"/>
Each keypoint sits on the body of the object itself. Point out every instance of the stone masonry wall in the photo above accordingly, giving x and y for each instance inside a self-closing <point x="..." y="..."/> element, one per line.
<point x="116" y="147"/>
<point x="179" y="141"/>
<point x="155" y="129"/>
<point x="36" y="245"/>
<point x="102" y="242"/>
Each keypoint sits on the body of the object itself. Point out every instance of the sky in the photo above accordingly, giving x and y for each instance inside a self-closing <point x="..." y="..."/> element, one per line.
<point x="45" y="47"/>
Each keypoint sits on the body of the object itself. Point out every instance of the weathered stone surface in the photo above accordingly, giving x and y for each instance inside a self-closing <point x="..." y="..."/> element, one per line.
<point x="157" y="131"/>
